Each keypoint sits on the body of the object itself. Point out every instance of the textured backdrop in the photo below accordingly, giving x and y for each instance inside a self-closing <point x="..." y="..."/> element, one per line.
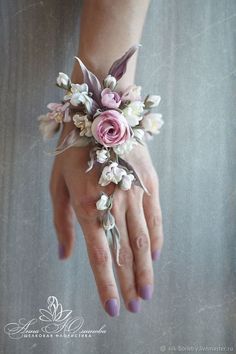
<point x="189" y="58"/>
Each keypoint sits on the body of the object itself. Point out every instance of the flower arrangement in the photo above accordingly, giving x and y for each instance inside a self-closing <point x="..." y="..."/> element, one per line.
<point x="111" y="121"/>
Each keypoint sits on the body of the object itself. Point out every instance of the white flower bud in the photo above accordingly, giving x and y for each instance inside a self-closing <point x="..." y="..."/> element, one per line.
<point x="102" y="203"/>
<point x="152" y="101"/>
<point x="102" y="155"/>
<point x="126" y="182"/>
<point x="152" y="123"/>
<point x="133" y="112"/>
<point x="110" y="82"/>
<point x="63" y="80"/>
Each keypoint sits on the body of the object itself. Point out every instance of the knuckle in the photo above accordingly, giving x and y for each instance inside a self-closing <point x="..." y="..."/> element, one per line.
<point x="126" y="256"/>
<point x="129" y="291"/>
<point x="145" y="274"/>
<point x="85" y="208"/>
<point x="141" y="242"/>
<point x="155" y="221"/>
<point x="106" y="287"/>
<point x="99" y="256"/>
<point x="152" y="185"/>
<point x="151" y="180"/>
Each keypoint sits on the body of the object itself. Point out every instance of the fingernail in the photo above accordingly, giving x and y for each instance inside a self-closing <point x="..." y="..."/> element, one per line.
<point x="134" y="306"/>
<point x="146" y="292"/>
<point x="112" y="307"/>
<point x="61" y="251"/>
<point x="156" y="255"/>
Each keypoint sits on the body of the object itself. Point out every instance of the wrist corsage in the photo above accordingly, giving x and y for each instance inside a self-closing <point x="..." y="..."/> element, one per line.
<point x="112" y="122"/>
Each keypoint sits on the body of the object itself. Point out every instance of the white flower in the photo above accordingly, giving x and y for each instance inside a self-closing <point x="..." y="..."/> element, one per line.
<point x="47" y="126"/>
<point x="126" y="182"/>
<point x="132" y="93"/>
<point x="63" y="80"/>
<point x="124" y="148"/>
<point x="138" y="133"/>
<point x="102" y="155"/>
<point x="79" y="94"/>
<point x="152" y="123"/>
<point x="152" y="101"/>
<point x="111" y="173"/>
<point x="110" y="82"/>
<point x="83" y="124"/>
<point x="102" y="203"/>
<point x="132" y="112"/>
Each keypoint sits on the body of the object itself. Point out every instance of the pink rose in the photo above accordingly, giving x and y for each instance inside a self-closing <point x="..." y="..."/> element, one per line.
<point x="110" y="99"/>
<point x="110" y="128"/>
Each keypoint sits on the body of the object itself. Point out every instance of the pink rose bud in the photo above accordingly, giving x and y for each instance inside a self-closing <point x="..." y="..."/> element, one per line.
<point x="110" y="128"/>
<point x="110" y="99"/>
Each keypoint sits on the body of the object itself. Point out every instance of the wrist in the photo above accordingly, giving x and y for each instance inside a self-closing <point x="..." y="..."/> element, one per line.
<point x="100" y="68"/>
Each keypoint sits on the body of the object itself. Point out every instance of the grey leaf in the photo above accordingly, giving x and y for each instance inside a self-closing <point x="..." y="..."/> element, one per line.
<point x="113" y="237"/>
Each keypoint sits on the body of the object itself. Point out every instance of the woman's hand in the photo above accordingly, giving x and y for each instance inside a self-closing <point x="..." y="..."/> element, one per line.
<point x="138" y="218"/>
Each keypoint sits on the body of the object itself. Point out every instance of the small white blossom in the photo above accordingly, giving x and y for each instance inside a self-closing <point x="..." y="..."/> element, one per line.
<point x="110" y="82"/>
<point x="124" y="148"/>
<point x="102" y="203"/>
<point x="126" y="182"/>
<point x="132" y="112"/>
<point x="63" y="80"/>
<point x="102" y="155"/>
<point x="152" y="101"/>
<point x="79" y="94"/>
<point x="111" y="173"/>
<point x="152" y="123"/>
<point x="83" y="124"/>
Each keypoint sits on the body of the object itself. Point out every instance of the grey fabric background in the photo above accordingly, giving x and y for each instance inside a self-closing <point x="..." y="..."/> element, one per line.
<point x="189" y="58"/>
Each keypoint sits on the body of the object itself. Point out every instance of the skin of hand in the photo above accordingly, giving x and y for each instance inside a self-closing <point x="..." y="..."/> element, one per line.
<point x="74" y="192"/>
<point x="138" y="217"/>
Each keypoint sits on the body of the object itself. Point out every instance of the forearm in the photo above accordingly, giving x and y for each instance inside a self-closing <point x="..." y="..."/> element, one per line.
<point x="108" y="28"/>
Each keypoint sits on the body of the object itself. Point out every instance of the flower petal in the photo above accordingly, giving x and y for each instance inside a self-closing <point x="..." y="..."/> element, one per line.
<point x="118" y="68"/>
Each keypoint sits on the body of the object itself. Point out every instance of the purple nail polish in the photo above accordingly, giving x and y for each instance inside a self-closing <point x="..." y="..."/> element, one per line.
<point x="134" y="306"/>
<point x="156" y="255"/>
<point x="112" y="307"/>
<point x="61" y="251"/>
<point x="146" y="292"/>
